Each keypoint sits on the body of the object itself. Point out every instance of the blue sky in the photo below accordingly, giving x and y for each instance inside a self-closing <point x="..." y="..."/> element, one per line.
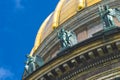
<point x="19" y="23"/>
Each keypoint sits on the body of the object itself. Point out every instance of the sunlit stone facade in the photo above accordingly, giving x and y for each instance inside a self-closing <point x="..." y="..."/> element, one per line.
<point x="96" y="56"/>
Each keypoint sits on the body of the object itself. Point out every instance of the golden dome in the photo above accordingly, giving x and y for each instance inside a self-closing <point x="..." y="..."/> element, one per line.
<point x="64" y="10"/>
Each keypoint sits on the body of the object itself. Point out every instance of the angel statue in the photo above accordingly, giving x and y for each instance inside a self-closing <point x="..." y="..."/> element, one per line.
<point x="32" y="63"/>
<point x="67" y="38"/>
<point x="107" y="14"/>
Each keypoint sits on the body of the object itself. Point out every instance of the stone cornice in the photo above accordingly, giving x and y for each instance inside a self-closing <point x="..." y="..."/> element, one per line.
<point x="77" y="50"/>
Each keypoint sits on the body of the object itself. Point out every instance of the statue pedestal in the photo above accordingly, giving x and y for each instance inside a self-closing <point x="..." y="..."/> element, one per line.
<point x="107" y="31"/>
<point x="109" y="28"/>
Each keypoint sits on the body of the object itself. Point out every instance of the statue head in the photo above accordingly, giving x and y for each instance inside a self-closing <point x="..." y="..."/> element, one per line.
<point x="28" y="56"/>
<point x="62" y="30"/>
<point x="106" y="7"/>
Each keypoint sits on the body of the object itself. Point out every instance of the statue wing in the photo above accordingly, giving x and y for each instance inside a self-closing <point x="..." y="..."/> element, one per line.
<point x="117" y="11"/>
<point x="39" y="60"/>
<point x="73" y="37"/>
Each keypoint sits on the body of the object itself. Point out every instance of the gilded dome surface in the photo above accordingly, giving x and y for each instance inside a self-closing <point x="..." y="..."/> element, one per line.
<point x="64" y="10"/>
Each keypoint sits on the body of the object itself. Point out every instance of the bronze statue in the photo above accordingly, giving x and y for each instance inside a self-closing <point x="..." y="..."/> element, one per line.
<point x="67" y="38"/>
<point x="107" y="15"/>
<point x="33" y="63"/>
<point x="63" y="36"/>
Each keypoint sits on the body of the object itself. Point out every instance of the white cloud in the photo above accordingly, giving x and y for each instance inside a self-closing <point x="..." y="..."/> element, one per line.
<point x="5" y="74"/>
